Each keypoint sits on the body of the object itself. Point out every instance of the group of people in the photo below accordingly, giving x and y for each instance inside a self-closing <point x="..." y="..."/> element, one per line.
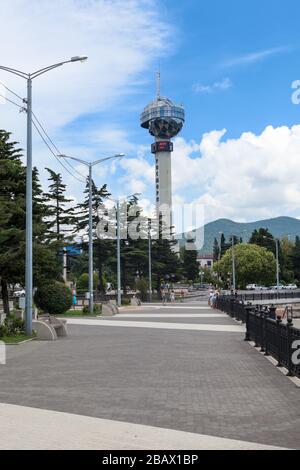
<point x="168" y="295"/>
<point x="213" y="297"/>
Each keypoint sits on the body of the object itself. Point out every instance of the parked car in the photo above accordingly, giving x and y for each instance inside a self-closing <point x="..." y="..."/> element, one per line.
<point x="291" y="287"/>
<point x="19" y="293"/>
<point x="261" y="288"/>
<point x="280" y="287"/>
<point x="251" y="287"/>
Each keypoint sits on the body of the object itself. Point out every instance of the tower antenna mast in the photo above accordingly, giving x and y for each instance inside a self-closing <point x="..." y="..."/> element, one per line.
<point x="158" y="84"/>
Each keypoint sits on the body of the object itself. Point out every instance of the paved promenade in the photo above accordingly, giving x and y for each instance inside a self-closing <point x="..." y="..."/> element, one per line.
<point x="178" y="376"/>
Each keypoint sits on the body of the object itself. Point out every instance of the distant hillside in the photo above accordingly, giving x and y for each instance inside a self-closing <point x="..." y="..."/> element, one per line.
<point x="280" y="227"/>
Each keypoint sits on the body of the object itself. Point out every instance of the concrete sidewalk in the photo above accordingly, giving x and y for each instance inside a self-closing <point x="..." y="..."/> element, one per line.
<point x="24" y="428"/>
<point x="198" y="380"/>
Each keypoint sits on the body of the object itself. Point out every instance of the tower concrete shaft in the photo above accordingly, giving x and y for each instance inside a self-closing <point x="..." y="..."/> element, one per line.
<point x="164" y="120"/>
<point x="163" y="181"/>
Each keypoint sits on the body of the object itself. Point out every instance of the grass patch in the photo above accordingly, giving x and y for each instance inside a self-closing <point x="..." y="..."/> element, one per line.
<point x="15" y="339"/>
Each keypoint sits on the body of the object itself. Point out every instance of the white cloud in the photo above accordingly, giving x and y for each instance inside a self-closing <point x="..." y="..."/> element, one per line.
<point x="78" y="103"/>
<point x="254" y="57"/>
<point x="222" y="85"/>
<point x="139" y="175"/>
<point x="254" y="176"/>
<point x="120" y="38"/>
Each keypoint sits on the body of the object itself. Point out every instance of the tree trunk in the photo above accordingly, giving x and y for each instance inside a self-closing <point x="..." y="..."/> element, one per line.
<point x="5" y="299"/>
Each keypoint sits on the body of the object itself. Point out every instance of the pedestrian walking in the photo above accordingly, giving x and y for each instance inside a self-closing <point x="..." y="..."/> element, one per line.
<point x="74" y="300"/>
<point x="163" y="296"/>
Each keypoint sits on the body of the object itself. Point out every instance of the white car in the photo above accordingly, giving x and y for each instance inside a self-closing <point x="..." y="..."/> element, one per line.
<point x="19" y="293"/>
<point x="251" y="287"/>
<point x="291" y="287"/>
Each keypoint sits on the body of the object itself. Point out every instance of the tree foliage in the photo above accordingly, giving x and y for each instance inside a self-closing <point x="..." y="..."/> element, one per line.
<point x="53" y="298"/>
<point x="254" y="264"/>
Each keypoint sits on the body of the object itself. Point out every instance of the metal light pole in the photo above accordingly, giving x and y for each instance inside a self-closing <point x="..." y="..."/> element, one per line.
<point x="219" y="255"/>
<point x="119" y="301"/>
<point x="234" y="260"/>
<point x="91" y="267"/>
<point x="119" y="286"/>
<point x="90" y="166"/>
<point x="150" y="259"/>
<point x="28" y="262"/>
<point x="276" y="241"/>
<point x="233" y="265"/>
<point x="277" y="263"/>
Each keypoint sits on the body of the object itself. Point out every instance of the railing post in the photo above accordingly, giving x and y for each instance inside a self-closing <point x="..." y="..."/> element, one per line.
<point x="289" y="347"/>
<point x="247" y="311"/>
<point x="279" y="322"/>
<point x="266" y="338"/>
<point x="256" y="313"/>
<point x="262" y="328"/>
<point x="243" y="312"/>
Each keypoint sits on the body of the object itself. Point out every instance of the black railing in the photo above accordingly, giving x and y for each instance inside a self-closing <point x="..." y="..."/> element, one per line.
<point x="274" y="338"/>
<point x="253" y="296"/>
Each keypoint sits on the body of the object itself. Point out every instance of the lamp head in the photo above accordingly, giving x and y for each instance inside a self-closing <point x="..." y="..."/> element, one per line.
<point x="78" y="58"/>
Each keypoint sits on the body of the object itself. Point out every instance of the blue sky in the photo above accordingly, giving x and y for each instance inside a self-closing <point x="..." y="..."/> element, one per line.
<point x="254" y="45"/>
<point x="230" y="63"/>
<point x="215" y="38"/>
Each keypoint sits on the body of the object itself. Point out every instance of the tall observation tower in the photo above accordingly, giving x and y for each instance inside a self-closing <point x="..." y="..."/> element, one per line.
<point x="164" y="120"/>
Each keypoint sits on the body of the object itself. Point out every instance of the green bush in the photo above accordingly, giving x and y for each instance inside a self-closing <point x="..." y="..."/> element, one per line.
<point x="85" y="310"/>
<point x="15" y="325"/>
<point x="3" y="330"/>
<point x="54" y="298"/>
<point x="12" y="326"/>
<point x="97" y="309"/>
<point x="82" y="284"/>
<point x="126" y="301"/>
<point x="142" y="286"/>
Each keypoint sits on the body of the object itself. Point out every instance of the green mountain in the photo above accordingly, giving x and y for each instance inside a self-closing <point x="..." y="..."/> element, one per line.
<point x="280" y="227"/>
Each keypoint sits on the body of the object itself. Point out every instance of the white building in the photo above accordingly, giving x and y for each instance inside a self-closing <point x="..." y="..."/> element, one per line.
<point x="205" y="261"/>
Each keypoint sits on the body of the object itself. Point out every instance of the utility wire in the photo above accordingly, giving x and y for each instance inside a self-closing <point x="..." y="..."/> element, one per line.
<point x="13" y="92"/>
<point x="54" y="146"/>
<point x="36" y="124"/>
<point x="13" y="102"/>
<point x="54" y="154"/>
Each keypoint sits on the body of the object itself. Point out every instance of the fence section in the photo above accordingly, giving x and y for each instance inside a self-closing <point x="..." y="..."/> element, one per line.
<point x="275" y="338"/>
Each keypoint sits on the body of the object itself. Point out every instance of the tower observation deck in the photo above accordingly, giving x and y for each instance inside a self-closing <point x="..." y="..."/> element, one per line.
<point x="164" y="120"/>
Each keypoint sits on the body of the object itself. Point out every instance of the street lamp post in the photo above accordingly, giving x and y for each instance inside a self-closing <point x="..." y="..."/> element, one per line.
<point x="219" y="256"/>
<point x="150" y="259"/>
<point x="234" y="261"/>
<point x="277" y="263"/>
<point x="28" y="261"/>
<point x="90" y="166"/>
<point x="276" y="241"/>
<point x="118" y="256"/>
<point x="233" y="264"/>
<point x="119" y="282"/>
